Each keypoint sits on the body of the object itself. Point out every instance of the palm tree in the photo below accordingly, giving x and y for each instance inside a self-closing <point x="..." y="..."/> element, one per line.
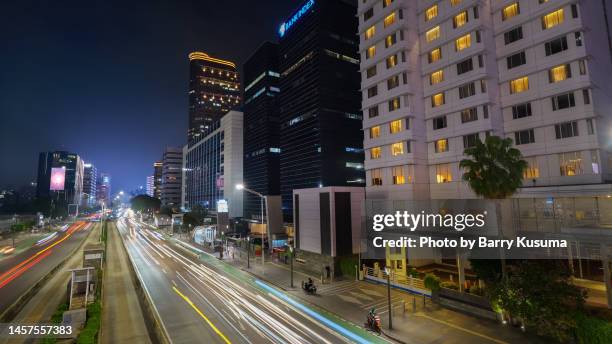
<point x="494" y="169"/>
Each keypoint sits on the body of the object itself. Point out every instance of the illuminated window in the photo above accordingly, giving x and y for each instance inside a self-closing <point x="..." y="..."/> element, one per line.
<point x="532" y="171"/>
<point x="376" y="176"/>
<point x="437" y="99"/>
<point x="390" y="19"/>
<point x="552" y="19"/>
<point x="387" y="3"/>
<point x="559" y="73"/>
<point x="391" y="61"/>
<point x="395" y="126"/>
<point x="510" y="11"/>
<point x="393" y="82"/>
<point x="394" y="104"/>
<point x="460" y="19"/>
<point x="455" y="2"/>
<point x="390" y="40"/>
<point x="397" y="148"/>
<point x="443" y="173"/>
<point x="432" y="34"/>
<point x="370" y="32"/>
<point x="441" y="146"/>
<point x="570" y="164"/>
<point x="371" y="52"/>
<point x="434" y="55"/>
<point x="436" y="77"/>
<point x="431" y="13"/>
<point x="375" y="152"/>
<point x="595" y="162"/>
<point x="374" y="132"/>
<point x="398" y="175"/>
<point x="519" y="85"/>
<point x="463" y="42"/>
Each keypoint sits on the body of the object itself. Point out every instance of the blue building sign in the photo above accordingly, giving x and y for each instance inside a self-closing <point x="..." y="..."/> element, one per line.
<point x="289" y="23"/>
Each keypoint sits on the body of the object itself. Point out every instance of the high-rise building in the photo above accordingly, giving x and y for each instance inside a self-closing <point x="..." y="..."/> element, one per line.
<point x="60" y="177"/>
<point x="261" y="127"/>
<point x="90" y="180"/>
<point x="320" y="104"/>
<point x="150" y="188"/>
<point x="214" y="89"/>
<point x="213" y="166"/>
<point x="157" y="179"/>
<point x="172" y="163"/>
<point x="438" y="75"/>
<point x="103" y="192"/>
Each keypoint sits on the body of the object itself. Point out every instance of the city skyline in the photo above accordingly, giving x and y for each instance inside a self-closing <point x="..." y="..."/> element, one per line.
<point x="132" y="109"/>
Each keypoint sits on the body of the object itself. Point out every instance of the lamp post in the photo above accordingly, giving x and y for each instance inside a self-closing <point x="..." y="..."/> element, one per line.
<point x="262" y="198"/>
<point x="248" y="252"/>
<point x="388" y="271"/>
<point x="291" y="259"/>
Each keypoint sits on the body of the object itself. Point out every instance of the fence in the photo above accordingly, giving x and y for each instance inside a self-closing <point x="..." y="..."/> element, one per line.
<point x="406" y="283"/>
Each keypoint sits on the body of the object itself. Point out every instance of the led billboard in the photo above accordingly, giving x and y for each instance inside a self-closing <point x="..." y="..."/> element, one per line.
<point x="58" y="178"/>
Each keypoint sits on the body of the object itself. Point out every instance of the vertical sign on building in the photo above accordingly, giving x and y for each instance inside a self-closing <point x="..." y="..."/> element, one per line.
<point x="58" y="178"/>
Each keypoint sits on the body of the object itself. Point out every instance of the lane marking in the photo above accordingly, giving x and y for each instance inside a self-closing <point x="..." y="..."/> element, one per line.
<point x="202" y="315"/>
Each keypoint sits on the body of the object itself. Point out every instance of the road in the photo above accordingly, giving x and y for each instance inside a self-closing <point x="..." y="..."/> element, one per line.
<point x="202" y="300"/>
<point x="20" y="272"/>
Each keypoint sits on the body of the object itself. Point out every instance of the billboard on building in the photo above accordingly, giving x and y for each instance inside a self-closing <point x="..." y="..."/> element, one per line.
<point x="58" y="178"/>
<point x="222" y="206"/>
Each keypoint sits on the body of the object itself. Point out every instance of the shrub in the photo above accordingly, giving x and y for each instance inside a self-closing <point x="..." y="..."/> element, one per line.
<point x="413" y="272"/>
<point x="449" y="285"/>
<point x="432" y="282"/>
<point x="476" y="290"/>
<point x="590" y="330"/>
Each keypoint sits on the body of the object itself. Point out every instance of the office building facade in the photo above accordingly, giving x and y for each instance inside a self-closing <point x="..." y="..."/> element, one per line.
<point x="60" y="177"/>
<point x="214" y="89"/>
<point x="320" y="119"/>
<point x="90" y="181"/>
<point x="172" y="164"/>
<point x="157" y="179"/>
<point x="437" y="75"/>
<point x="261" y="127"/>
<point x="103" y="189"/>
<point x="150" y="188"/>
<point x="213" y="166"/>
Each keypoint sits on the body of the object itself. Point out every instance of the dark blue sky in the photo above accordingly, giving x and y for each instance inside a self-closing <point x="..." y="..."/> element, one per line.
<point x="108" y="79"/>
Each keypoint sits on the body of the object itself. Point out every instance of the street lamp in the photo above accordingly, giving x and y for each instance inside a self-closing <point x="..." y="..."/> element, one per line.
<point x="248" y="252"/>
<point x="291" y="258"/>
<point x="388" y="271"/>
<point x="262" y="198"/>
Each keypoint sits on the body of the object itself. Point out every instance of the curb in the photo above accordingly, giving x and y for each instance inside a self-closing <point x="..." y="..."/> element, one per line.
<point x="151" y="314"/>
<point x="11" y="311"/>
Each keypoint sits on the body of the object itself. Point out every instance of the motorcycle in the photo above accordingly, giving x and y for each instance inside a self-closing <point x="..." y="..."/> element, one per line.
<point x="309" y="288"/>
<point x="373" y="324"/>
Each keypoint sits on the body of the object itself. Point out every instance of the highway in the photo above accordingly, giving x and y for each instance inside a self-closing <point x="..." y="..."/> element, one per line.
<point x="203" y="300"/>
<point x="20" y="272"/>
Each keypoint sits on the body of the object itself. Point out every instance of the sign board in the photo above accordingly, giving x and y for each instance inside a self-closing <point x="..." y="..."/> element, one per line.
<point x="222" y="206"/>
<point x="58" y="178"/>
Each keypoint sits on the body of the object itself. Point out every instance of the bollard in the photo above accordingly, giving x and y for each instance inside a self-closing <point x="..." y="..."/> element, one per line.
<point x="404" y="307"/>
<point x="423" y="300"/>
<point x="414" y="303"/>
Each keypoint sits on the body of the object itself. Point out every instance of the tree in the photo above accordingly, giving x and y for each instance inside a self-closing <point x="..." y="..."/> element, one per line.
<point x="145" y="203"/>
<point x="541" y="294"/>
<point x="494" y="169"/>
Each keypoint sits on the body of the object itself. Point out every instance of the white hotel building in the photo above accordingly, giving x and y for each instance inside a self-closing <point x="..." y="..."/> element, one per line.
<point x="436" y="74"/>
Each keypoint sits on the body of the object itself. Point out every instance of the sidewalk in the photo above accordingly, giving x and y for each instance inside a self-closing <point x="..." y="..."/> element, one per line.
<point x="122" y="319"/>
<point x="413" y="321"/>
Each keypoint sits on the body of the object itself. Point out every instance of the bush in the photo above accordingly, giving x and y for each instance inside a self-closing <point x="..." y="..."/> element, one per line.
<point x="590" y="330"/>
<point x="432" y="282"/>
<point x="449" y="285"/>
<point x="89" y="333"/>
<point x="476" y="290"/>
<point x="413" y="272"/>
<point x="347" y="266"/>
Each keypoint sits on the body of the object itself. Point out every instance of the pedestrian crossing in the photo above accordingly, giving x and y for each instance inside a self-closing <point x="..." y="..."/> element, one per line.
<point x="363" y="296"/>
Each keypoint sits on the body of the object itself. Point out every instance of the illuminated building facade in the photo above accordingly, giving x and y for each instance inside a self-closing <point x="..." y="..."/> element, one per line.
<point x="172" y="164"/>
<point x="157" y="179"/>
<point x="67" y="171"/>
<point x="214" y="89"/>
<point x="261" y="127"/>
<point x="320" y="104"/>
<point x="90" y="177"/>
<point x="103" y="191"/>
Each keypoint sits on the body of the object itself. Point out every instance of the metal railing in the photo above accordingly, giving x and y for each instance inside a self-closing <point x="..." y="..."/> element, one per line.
<point x="408" y="283"/>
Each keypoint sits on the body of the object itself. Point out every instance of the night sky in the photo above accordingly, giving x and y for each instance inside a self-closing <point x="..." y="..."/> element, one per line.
<point x="108" y="79"/>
